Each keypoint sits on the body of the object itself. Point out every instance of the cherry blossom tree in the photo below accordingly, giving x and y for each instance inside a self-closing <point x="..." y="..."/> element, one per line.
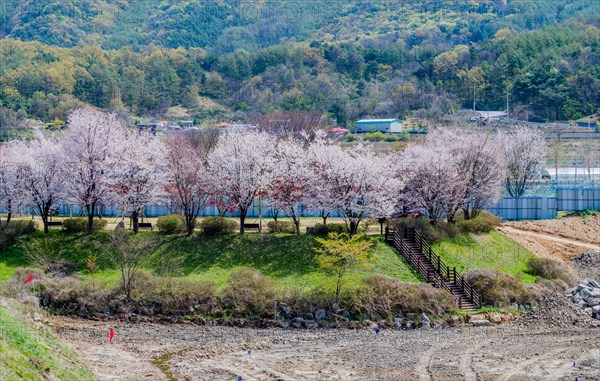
<point x="433" y="181"/>
<point x="360" y="183"/>
<point x="137" y="173"/>
<point x="524" y="150"/>
<point x="480" y="169"/>
<point x="319" y="192"/>
<point x="8" y="189"/>
<point x="39" y="176"/>
<point x="188" y="183"/>
<point x="90" y="139"/>
<point x="290" y="179"/>
<point x="241" y="166"/>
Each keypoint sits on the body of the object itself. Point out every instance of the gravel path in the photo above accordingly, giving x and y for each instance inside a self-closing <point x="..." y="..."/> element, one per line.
<point x="186" y="352"/>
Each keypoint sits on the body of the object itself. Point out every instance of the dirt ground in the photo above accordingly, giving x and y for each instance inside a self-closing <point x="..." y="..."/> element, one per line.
<point x="553" y="343"/>
<point x="187" y="352"/>
<point x="563" y="239"/>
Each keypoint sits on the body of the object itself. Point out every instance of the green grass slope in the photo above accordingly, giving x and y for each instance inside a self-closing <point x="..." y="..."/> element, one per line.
<point x="288" y="259"/>
<point x="30" y="354"/>
<point x="494" y="251"/>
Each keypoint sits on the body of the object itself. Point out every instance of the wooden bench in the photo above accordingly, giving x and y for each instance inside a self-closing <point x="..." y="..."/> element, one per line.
<point x="54" y="223"/>
<point x="145" y="225"/>
<point x="252" y="226"/>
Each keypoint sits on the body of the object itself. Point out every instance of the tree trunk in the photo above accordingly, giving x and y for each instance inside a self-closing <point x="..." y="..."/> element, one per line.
<point x="466" y="214"/>
<point x="91" y="209"/>
<point x="354" y="226"/>
<point x="9" y="215"/>
<point x="189" y="224"/>
<point x="45" y="222"/>
<point x="297" y="224"/>
<point x="135" y="219"/>
<point x="324" y="216"/>
<point x="243" y="212"/>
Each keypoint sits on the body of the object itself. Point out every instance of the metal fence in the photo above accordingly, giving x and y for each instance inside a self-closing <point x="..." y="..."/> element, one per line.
<point x="578" y="198"/>
<point x="526" y="208"/>
<point x="549" y="200"/>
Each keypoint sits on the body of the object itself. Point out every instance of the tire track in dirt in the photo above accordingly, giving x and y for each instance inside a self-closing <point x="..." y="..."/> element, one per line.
<point x="422" y="367"/>
<point x="466" y="364"/>
<point x="547" y="237"/>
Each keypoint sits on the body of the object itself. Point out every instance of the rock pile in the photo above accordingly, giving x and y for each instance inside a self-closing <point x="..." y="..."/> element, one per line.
<point x="587" y="296"/>
<point x="557" y="311"/>
<point x="587" y="265"/>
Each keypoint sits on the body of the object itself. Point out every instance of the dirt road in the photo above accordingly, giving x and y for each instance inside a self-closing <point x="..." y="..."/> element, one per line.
<point x="561" y="239"/>
<point x="186" y="352"/>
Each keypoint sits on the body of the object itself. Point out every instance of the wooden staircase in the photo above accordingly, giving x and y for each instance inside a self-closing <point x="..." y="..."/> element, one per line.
<point x="412" y="246"/>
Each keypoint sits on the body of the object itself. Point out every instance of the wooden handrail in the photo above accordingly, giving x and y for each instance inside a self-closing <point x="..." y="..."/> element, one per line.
<point x="442" y="275"/>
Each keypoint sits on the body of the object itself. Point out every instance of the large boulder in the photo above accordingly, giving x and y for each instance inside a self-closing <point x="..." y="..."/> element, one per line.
<point x="297" y="322"/>
<point x="581" y="295"/>
<point x="592" y="283"/>
<point x="320" y="314"/>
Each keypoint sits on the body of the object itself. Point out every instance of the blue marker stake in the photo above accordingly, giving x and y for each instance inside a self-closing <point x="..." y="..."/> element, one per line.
<point x="377" y="331"/>
<point x="239" y="378"/>
<point x="249" y="352"/>
<point x="573" y="363"/>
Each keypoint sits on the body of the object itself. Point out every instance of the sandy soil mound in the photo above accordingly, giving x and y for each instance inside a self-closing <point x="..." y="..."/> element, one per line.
<point x="576" y="228"/>
<point x="562" y="239"/>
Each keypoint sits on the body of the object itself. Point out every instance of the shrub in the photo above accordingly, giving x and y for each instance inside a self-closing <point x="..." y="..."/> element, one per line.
<point x="497" y="288"/>
<point x="250" y="294"/>
<point x="14" y="229"/>
<point x="17" y="285"/>
<point x="375" y="136"/>
<point x="550" y="269"/>
<point x="218" y="225"/>
<point x="70" y="295"/>
<point x="172" y="296"/>
<point x="79" y="224"/>
<point x="320" y="229"/>
<point x="350" y="137"/>
<point x="483" y="223"/>
<point x="385" y="298"/>
<point x="170" y="224"/>
<point x="432" y="233"/>
<point x="391" y="138"/>
<point x="281" y="227"/>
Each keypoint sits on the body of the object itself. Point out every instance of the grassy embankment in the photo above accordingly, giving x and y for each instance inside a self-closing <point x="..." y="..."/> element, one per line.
<point x="493" y="251"/>
<point x="30" y="354"/>
<point x="286" y="258"/>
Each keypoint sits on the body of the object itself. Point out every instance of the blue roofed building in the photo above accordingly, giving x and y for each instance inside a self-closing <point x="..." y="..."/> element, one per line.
<point x="382" y="125"/>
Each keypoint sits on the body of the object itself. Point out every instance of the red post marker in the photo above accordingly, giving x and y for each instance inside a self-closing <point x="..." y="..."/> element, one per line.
<point x="111" y="335"/>
<point x="29" y="279"/>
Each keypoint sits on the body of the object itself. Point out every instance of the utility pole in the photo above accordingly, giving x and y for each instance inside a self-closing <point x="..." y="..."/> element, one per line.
<point x="507" y="114"/>
<point x="556" y="155"/>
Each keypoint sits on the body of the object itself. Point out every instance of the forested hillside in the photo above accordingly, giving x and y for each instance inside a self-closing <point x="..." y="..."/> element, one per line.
<point x="238" y="60"/>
